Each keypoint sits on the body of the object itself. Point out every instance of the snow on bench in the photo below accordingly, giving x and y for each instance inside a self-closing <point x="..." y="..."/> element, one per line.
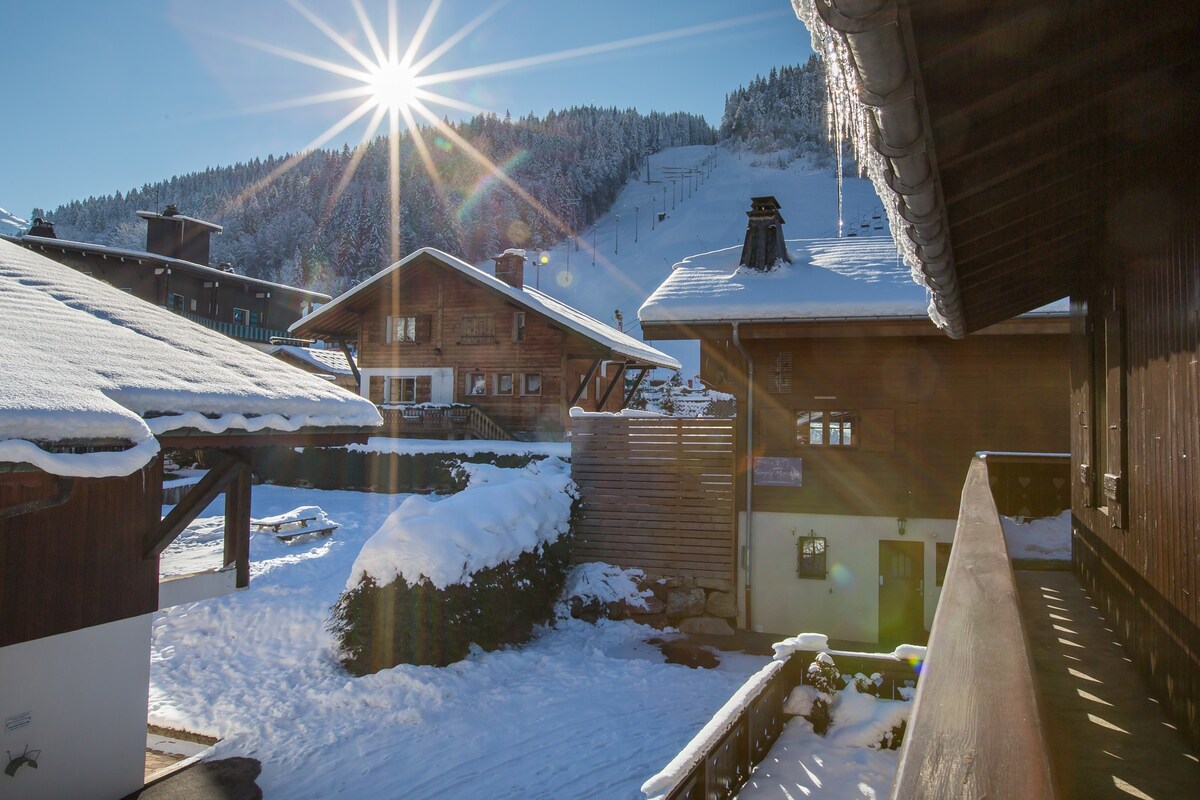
<point x="291" y="525"/>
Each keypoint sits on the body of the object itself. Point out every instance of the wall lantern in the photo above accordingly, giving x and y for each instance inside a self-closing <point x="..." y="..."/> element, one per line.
<point x="901" y="525"/>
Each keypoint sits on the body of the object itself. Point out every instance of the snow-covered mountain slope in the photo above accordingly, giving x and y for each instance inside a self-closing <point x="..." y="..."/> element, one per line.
<point x="630" y="264"/>
<point x="10" y="223"/>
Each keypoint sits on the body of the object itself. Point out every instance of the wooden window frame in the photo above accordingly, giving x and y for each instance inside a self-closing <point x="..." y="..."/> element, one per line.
<point x="402" y="329"/>
<point x="854" y="421"/>
<point x="390" y="393"/>
<point x="518" y="332"/>
<point x="808" y="550"/>
<point x="496" y="384"/>
<point x="472" y="383"/>
<point x="525" y="391"/>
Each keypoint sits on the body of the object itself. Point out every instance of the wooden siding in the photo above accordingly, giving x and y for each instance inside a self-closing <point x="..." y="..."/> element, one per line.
<point x="1145" y="572"/>
<point x="926" y="405"/>
<point x="656" y="494"/>
<point x="445" y="299"/>
<point x="80" y="563"/>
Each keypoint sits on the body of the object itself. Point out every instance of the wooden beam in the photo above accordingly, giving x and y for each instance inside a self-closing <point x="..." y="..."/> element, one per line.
<point x="620" y="376"/>
<point x="633" y="389"/>
<point x="65" y="487"/>
<point x="583" y="384"/>
<point x="353" y="366"/>
<point x="195" y="501"/>
<point x="192" y="439"/>
<point x="237" y="526"/>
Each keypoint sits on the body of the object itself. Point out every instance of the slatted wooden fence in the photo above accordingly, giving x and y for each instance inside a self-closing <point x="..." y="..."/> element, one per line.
<point x="657" y="493"/>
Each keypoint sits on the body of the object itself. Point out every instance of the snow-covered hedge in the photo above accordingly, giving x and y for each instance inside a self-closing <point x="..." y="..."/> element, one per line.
<point x="482" y="566"/>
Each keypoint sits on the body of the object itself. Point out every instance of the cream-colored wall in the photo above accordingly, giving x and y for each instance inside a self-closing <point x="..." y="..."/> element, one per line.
<point x="85" y="692"/>
<point x="845" y="604"/>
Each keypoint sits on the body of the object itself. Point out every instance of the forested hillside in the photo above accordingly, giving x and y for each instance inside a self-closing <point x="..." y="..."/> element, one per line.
<point x="782" y="113"/>
<point x="298" y="230"/>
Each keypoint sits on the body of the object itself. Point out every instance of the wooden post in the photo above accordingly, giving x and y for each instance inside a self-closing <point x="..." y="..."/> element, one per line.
<point x="237" y="526"/>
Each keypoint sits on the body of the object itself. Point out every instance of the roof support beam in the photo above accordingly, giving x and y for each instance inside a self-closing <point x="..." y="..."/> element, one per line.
<point x="237" y="527"/>
<point x="641" y="376"/>
<point x="345" y="348"/>
<point x="212" y="484"/>
<point x="583" y="384"/>
<point x="620" y="376"/>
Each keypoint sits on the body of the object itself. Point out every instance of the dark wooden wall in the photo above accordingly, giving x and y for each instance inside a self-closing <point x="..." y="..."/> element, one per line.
<point x="1139" y="551"/>
<point x="78" y="564"/>
<point x="440" y="299"/>
<point x="926" y="405"/>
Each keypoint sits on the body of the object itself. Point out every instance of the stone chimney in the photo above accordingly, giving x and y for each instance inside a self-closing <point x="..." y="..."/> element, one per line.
<point x="510" y="267"/>
<point x="175" y="235"/>
<point x="764" y="246"/>
<point x="42" y="227"/>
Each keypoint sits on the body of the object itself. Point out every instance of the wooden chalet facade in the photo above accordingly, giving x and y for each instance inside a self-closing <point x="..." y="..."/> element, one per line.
<point x="173" y="272"/>
<point x="876" y="414"/>
<point x="81" y="494"/>
<point x="445" y="348"/>
<point x="1034" y="152"/>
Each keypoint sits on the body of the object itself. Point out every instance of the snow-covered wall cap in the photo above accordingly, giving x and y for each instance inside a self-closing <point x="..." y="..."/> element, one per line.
<point x="621" y="344"/>
<point x="828" y="279"/>
<point x="324" y="359"/>
<point x="514" y="251"/>
<point x="87" y="363"/>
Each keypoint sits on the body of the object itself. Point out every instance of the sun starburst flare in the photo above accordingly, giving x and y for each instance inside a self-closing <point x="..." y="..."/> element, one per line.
<point x="398" y="87"/>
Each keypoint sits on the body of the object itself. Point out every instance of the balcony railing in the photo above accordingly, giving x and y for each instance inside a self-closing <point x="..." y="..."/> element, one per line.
<point x="442" y="420"/>
<point x="976" y="729"/>
<point x="246" y="333"/>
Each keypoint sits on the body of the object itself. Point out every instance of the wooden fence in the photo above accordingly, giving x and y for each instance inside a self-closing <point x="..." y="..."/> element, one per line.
<point x="656" y="493"/>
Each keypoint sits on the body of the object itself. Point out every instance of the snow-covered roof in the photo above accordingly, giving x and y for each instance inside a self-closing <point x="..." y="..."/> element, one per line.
<point x="621" y="344"/>
<point x="828" y="279"/>
<point x="143" y="255"/>
<point x="87" y="364"/>
<point x="181" y="217"/>
<point x="326" y="360"/>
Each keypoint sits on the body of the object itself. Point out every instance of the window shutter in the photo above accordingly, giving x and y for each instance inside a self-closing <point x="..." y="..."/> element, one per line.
<point x="387" y="330"/>
<point x="424" y="327"/>
<point x="779" y="377"/>
<point x="424" y="388"/>
<point x="375" y="389"/>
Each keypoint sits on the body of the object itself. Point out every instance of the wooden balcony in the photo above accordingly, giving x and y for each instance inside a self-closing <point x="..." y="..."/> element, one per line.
<point x="234" y="330"/>
<point x="452" y="421"/>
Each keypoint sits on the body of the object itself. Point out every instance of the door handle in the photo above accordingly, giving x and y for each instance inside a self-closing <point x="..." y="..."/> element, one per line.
<point x="921" y="587"/>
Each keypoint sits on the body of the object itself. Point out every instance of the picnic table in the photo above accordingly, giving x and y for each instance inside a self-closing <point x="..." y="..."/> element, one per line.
<point x="303" y="521"/>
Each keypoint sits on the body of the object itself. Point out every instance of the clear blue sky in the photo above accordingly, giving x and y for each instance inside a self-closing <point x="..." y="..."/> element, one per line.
<point x="105" y="96"/>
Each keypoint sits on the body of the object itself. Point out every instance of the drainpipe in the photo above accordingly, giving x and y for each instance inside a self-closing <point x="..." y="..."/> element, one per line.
<point x="737" y="342"/>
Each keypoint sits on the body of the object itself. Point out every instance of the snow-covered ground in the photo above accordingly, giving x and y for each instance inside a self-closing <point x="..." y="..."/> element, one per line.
<point x="582" y="711"/>
<point x="1047" y="538"/>
<point x="714" y="216"/>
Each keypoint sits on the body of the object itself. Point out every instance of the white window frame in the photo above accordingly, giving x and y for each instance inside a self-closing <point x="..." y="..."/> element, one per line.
<point x="472" y="384"/>
<point x="245" y="316"/>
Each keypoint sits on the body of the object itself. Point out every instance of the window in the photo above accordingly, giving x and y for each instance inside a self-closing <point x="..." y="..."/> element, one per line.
<point x="531" y="383"/>
<point x="779" y="379"/>
<point x="193" y="304"/>
<point x="175" y="301"/>
<point x="255" y="318"/>
<point x="402" y="390"/>
<point x="942" y="553"/>
<point x="519" y="326"/>
<point x="241" y="316"/>
<point x="403" y="329"/>
<point x="476" y="384"/>
<point x="827" y="428"/>
<point x="504" y="383"/>
<point x="810" y="557"/>
<point x="477" y="328"/>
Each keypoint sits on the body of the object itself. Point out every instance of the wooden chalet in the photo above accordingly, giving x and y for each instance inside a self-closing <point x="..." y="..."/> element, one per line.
<point x="445" y="348"/>
<point x="858" y="420"/>
<point x="173" y="272"/>
<point x="98" y="385"/>
<point x="1028" y="152"/>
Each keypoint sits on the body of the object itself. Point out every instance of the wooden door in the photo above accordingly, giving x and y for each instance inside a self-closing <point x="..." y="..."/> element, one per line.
<point x="902" y="592"/>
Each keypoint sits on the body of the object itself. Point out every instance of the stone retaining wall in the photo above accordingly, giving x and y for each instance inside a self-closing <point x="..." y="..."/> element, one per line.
<point x="693" y="605"/>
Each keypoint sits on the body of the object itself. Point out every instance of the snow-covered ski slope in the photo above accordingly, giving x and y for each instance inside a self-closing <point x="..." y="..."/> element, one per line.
<point x="630" y="264"/>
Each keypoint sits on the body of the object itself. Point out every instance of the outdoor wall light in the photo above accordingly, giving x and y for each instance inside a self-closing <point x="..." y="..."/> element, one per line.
<point x="29" y="757"/>
<point x="901" y="525"/>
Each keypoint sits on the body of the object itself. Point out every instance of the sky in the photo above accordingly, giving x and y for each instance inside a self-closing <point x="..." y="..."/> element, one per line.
<point x="104" y="97"/>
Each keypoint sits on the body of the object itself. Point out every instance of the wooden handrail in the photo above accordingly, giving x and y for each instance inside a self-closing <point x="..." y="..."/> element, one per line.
<point x="975" y="728"/>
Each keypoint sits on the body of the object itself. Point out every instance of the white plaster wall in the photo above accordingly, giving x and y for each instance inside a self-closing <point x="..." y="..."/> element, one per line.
<point x="86" y="692"/>
<point x="845" y="604"/>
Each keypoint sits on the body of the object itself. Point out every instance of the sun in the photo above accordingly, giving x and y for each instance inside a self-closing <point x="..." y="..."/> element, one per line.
<point x="393" y="86"/>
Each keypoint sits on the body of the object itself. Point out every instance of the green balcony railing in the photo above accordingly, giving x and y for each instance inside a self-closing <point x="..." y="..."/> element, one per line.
<point x="246" y="333"/>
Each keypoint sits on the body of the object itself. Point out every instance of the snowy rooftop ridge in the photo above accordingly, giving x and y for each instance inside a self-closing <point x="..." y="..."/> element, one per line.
<point x="87" y="362"/>
<point x="145" y="255"/>
<point x="828" y="279"/>
<point x="327" y="359"/>
<point x="621" y="343"/>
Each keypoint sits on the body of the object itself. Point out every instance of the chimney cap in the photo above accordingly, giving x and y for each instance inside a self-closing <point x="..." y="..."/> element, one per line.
<point x="764" y="246"/>
<point x="42" y="227"/>
<point x="174" y="215"/>
<point x="512" y="251"/>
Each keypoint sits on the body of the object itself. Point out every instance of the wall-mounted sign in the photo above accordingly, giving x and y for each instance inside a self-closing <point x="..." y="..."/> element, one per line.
<point x="18" y="721"/>
<point x="778" y="471"/>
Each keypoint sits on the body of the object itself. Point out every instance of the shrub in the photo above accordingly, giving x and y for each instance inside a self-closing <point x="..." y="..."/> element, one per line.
<point x="378" y="627"/>
<point x="824" y="676"/>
